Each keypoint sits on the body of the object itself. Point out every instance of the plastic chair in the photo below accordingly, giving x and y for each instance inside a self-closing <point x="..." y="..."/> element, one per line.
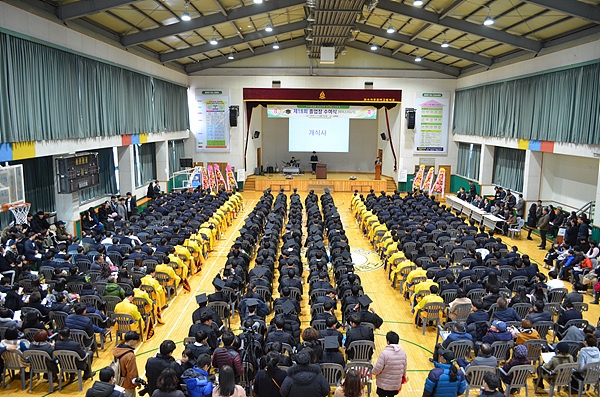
<point x="67" y="361"/>
<point x="461" y="348"/>
<point x="557" y="295"/>
<point x="87" y="343"/>
<point x="109" y="304"/>
<point x="91" y="301"/>
<point x="474" y="376"/>
<point x="501" y="349"/>
<point x="580" y="306"/>
<point x="362" y="350"/>
<point x="516" y="229"/>
<point x="167" y="283"/>
<point x="448" y="295"/>
<point x="319" y="325"/>
<point x="519" y="375"/>
<point x="14" y="361"/>
<point x="98" y="322"/>
<point x="562" y="376"/>
<point x="559" y="333"/>
<point x="123" y="323"/>
<point x="535" y="347"/>
<point x="476" y="294"/>
<point x="38" y="364"/>
<point x="222" y="309"/>
<point x="542" y="327"/>
<point x="59" y="319"/>
<point x="433" y="312"/>
<point x="333" y="373"/>
<point x="522" y="309"/>
<point x="462" y="311"/>
<point x="591" y="376"/>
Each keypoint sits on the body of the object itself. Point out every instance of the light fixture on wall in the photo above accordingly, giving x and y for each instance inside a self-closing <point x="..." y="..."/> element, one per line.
<point x="186" y="15"/>
<point x="488" y="20"/>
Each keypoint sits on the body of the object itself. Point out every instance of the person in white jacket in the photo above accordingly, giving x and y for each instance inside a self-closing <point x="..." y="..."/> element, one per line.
<point x="587" y="355"/>
<point x="390" y="369"/>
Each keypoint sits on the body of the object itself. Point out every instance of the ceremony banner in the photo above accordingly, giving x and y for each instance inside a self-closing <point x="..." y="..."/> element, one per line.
<point x="432" y="123"/>
<point x="322" y="111"/>
<point x="211" y="121"/>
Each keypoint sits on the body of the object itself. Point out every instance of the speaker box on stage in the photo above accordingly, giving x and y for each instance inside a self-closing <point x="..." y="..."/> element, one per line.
<point x="233" y="115"/>
<point x="410" y="116"/>
<point x="383" y="136"/>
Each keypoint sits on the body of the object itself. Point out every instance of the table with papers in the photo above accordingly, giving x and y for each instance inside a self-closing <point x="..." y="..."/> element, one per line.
<point x="477" y="214"/>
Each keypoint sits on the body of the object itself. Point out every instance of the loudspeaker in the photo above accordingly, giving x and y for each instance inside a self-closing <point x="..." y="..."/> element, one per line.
<point x="383" y="136"/>
<point x="233" y="115"/>
<point x="256" y="134"/>
<point x="410" y="116"/>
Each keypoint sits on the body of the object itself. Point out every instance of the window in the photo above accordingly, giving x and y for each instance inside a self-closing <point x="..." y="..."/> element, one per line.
<point x="509" y="168"/>
<point x="176" y="152"/>
<point x="467" y="165"/>
<point x="144" y="158"/>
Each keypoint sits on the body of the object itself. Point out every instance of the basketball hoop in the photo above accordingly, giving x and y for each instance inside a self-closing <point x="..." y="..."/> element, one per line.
<point x="20" y="211"/>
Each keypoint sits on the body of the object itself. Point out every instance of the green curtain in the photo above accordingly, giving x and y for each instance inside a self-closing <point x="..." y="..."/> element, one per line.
<point x="509" y="168"/>
<point x="108" y="180"/>
<point x="176" y="151"/>
<point x="50" y="94"/>
<point x="145" y="163"/>
<point x="469" y="155"/>
<point x="560" y="106"/>
<point x="38" y="177"/>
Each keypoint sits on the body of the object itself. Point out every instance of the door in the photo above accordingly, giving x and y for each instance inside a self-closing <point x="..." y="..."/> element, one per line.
<point x="447" y="184"/>
<point x="259" y="158"/>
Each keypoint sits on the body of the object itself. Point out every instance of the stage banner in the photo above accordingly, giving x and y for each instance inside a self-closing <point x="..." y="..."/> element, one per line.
<point x="432" y="123"/>
<point x="322" y="111"/>
<point x="211" y="121"/>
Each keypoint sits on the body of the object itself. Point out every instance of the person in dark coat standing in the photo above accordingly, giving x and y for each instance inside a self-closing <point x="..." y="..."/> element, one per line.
<point x="163" y="360"/>
<point x="304" y="379"/>
<point x="543" y="225"/>
<point x="531" y="219"/>
<point x="105" y="387"/>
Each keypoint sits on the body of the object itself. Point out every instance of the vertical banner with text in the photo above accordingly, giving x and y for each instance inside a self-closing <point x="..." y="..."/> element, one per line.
<point x="432" y="123"/>
<point x="212" y="120"/>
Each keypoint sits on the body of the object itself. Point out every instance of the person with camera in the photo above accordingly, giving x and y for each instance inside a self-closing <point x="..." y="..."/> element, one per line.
<point x="124" y="352"/>
<point x="163" y="360"/>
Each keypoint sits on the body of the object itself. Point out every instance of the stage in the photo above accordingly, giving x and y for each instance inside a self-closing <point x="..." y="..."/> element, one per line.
<point x="336" y="182"/>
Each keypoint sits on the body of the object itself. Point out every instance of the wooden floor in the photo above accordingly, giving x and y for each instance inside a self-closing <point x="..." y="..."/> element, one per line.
<point x="387" y="303"/>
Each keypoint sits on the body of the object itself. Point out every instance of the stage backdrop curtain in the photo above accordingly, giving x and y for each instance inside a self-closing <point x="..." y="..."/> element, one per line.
<point x="145" y="163"/>
<point x="560" y="106"/>
<point x="49" y="94"/>
<point x="509" y="168"/>
<point x="469" y="155"/>
<point x="176" y="151"/>
<point x="108" y="180"/>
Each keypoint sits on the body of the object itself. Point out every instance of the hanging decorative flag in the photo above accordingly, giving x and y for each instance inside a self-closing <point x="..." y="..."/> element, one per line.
<point x="219" y="178"/>
<point x="428" y="180"/>
<point x="440" y="183"/>
<point x="211" y="178"/>
<point x="419" y="177"/>
<point x="231" y="182"/>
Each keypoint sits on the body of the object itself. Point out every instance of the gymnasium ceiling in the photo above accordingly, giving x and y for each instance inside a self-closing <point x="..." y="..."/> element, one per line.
<point x="156" y="28"/>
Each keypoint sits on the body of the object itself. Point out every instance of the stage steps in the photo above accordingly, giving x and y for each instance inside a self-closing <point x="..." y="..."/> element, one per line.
<point x="391" y="184"/>
<point x="250" y="183"/>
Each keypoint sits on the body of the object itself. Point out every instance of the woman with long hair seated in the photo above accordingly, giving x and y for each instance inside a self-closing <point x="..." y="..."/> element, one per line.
<point x="227" y="386"/>
<point x="351" y="387"/>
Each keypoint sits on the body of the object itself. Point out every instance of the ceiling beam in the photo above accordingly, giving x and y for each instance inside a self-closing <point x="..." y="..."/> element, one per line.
<point x="214" y="62"/>
<point x="206" y="47"/>
<point x="82" y="8"/>
<point x="460" y="25"/>
<point x="208" y="20"/>
<point x="438" y="67"/>
<point x="468" y="56"/>
<point x="587" y="12"/>
<point x="451" y="8"/>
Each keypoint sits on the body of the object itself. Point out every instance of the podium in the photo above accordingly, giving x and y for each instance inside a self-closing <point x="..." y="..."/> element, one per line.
<point x="377" y="172"/>
<point x="321" y="171"/>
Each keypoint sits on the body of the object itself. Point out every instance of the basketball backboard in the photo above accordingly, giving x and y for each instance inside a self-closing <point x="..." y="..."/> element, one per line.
<point x="12" y="187"/>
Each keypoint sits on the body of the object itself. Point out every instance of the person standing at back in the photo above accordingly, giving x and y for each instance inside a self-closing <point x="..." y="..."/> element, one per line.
<point x="125" y="353"/>
<point x="105" y="387"/>
<point x="391" y="367"/>
<point x="445" y="380"/>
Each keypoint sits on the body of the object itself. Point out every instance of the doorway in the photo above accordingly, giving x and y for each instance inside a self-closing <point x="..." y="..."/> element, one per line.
<point x="259" y="159"/>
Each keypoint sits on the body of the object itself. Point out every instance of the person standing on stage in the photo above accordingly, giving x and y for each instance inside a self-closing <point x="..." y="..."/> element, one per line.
<point x="314" y="159"/>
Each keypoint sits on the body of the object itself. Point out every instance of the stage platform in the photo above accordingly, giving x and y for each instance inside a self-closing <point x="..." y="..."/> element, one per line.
<point x="335" y="182"/>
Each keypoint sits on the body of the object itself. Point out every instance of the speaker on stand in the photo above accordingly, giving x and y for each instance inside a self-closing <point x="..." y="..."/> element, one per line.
<point x="410" y="114"/>
<point x="233" y="115"/>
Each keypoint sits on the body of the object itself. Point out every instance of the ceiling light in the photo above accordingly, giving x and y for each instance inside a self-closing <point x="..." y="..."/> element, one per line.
<point x="311" y="3"/>
<point x="309" y="37"/>
<point x="186" y="15"/>
<point x="276" y="45"/>
<point x="231" y="57"/>
<point x="258" y="1"/>
<point x="418" y="59"/>
<point x="418" y="3"/>
<point x="269" y="27"/>
<point x="445" y="44"/>
<point x="488" y="21"/>
<point x="213" y="41"/>
<point x="362" y="19"/>
<point x="373" y="47"/>
<point x="391" y="29"/>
